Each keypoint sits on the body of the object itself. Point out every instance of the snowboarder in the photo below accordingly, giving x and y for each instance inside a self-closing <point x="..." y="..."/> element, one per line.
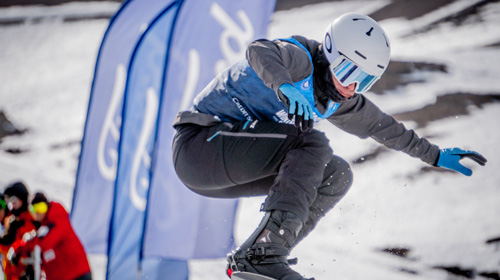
<point x="250" y="132"/>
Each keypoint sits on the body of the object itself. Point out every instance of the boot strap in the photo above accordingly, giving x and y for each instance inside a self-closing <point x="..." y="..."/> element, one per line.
<point x="267" y="253"/>
<point x="289" y="238"/>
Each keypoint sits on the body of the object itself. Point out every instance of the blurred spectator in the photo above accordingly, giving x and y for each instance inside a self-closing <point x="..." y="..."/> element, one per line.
<point x="18" y="223"/>
<point x="63" y="255"/>
<point x="4" y="212"/>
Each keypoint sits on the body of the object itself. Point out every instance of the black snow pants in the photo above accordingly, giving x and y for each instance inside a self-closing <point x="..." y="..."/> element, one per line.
<point x="296" y="170"/>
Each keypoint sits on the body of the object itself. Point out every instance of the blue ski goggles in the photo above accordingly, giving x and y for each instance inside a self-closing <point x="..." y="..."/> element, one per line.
<point x="347" y="72"/>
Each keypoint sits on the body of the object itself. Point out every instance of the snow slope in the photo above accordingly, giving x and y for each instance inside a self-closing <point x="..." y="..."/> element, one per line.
<point x="443" y="218"/>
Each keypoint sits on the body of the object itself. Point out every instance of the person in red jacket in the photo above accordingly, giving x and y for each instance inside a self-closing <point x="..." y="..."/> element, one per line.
<point x="62" y="253"/>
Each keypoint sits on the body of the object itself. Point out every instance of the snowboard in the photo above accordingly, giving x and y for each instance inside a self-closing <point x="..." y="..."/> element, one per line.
<point x="242" y="275"/>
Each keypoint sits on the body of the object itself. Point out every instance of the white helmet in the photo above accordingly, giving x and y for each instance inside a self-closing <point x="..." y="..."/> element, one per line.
<point x="361" y="40"/>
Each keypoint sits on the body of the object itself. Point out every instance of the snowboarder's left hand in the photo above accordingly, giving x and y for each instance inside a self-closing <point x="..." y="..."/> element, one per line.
<point x="298" y="106"/>
<point x="450" y="159"/>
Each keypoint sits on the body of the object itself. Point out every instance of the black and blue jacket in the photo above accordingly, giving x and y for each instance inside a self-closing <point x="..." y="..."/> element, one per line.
<point x="248" y="91"/>
<point x="239" y="94"/>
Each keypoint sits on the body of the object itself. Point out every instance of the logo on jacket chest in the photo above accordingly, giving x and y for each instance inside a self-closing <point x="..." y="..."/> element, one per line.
<point x="242" y="109"/>
<point x="305" y="85"/>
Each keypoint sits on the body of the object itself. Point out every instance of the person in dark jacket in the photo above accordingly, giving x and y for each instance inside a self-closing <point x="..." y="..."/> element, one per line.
<point x="250" y="132"/>
<point x="62" y="254"/>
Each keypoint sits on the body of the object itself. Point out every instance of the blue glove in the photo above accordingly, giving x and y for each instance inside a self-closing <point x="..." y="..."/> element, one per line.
<point x="450" y="158"/>
<point x="298" y="106"/>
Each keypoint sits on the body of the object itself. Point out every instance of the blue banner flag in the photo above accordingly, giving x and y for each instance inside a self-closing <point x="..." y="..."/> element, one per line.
<point x="139" y="124"/>
<point x="96" y="175"/>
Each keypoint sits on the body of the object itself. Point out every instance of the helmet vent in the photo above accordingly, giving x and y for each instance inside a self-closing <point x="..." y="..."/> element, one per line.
<point x="369" y="33"/>
<point x="360" y="54"/>
<point x="380" y="66"/>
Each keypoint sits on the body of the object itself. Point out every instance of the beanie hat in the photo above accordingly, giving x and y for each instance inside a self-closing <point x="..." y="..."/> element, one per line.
<point x="19" y="190"/>
<point x="39" y="197"/>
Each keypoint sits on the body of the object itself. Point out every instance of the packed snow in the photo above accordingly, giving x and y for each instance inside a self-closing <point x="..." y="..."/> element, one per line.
<point x="443" y="218"/>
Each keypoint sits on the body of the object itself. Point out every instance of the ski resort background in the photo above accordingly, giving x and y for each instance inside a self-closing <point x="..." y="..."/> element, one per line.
<point x="434" y="226"/>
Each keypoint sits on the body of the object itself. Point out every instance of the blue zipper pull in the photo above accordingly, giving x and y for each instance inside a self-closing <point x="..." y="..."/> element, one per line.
<point x="210" y="139"/>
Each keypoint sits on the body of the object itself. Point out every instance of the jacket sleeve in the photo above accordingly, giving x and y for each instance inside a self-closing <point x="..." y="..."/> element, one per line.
<point x="278" y="62"/>
<point x="361" y="117"/>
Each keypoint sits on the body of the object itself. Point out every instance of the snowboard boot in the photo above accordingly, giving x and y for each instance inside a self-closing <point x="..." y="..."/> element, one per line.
<point x="266" y="251"/>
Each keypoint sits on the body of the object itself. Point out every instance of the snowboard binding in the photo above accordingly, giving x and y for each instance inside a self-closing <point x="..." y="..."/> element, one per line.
<point x="265" y="252"/>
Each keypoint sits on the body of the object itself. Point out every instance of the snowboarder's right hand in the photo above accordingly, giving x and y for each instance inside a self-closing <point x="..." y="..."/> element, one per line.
<point x="298" y="106"/>
<point x="450" y="159"/>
